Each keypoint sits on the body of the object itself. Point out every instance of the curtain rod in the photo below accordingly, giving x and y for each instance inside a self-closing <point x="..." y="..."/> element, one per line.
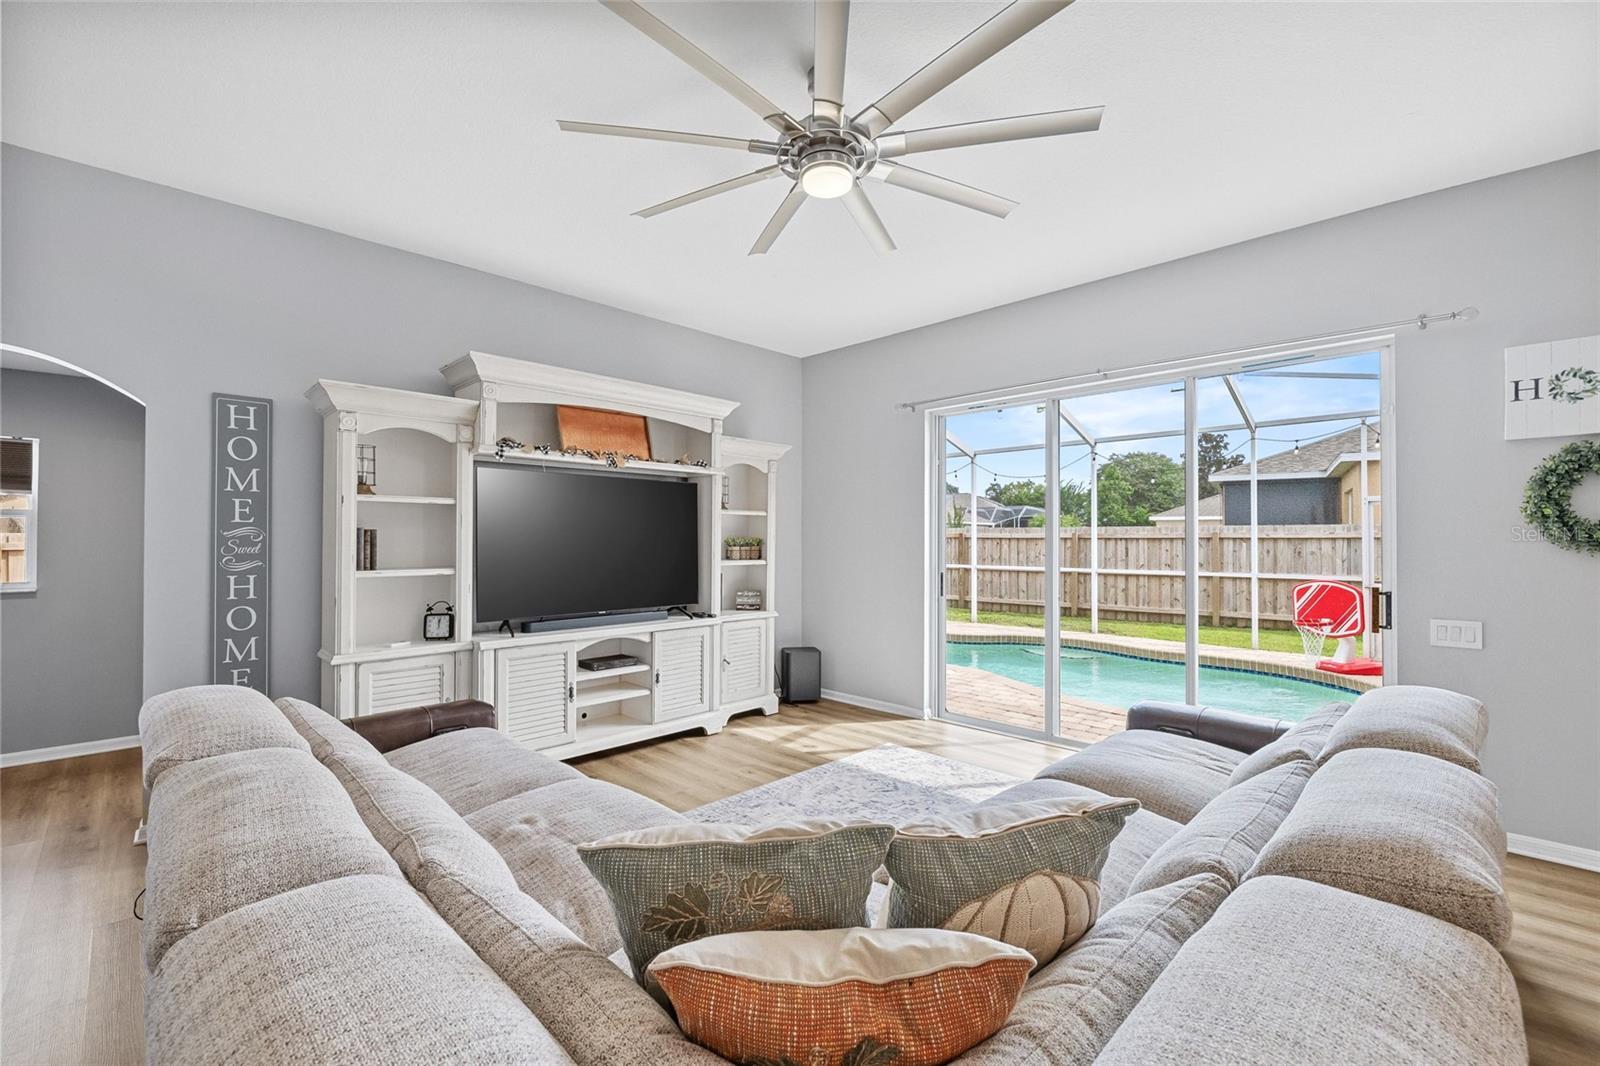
<point x="1421" y="322"/>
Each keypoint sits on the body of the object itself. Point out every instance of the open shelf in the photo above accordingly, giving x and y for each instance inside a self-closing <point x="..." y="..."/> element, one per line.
<point x="620" y="671"/>
<point x="744" y="562"/>
<point x="422" y="571"/>
<point x="734" y="513"/>
<point x="443" y="501"/>
<point x="609" y="692"/>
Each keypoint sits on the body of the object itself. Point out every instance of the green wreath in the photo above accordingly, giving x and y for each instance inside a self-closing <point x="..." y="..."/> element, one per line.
<point x="1547" y="501"/>
<point x="1574" y="384"/>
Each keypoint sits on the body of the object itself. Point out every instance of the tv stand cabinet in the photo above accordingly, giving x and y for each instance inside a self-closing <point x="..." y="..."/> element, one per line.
<point x="694" y="673"/>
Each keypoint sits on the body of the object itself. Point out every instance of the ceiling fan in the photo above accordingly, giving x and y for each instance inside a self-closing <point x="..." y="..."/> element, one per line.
<point x="828" y="153"/>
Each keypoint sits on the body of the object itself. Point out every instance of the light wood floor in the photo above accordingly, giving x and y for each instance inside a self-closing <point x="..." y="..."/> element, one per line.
<point x="73" y="980"/>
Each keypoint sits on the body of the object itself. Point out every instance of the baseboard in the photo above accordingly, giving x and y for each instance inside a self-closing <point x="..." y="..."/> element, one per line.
<point x="1551" y="851"/>
<point x="68" y="751"/>
<point x="873" y="705"/>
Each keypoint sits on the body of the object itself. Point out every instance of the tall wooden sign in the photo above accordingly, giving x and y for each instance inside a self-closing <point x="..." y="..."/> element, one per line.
<point x="241" y="531"/>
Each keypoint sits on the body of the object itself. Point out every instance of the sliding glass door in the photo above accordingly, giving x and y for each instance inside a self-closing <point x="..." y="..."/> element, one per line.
<point x="1214" y="538"/>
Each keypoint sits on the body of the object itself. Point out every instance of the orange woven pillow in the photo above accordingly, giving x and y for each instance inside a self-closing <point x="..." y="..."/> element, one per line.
<point x="913" y="997"/>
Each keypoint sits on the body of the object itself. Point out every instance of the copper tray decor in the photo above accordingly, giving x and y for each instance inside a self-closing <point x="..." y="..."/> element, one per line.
<point x="591" y="429"/>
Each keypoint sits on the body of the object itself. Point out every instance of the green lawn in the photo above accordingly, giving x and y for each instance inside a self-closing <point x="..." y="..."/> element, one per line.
<point x="1217" y="636"/>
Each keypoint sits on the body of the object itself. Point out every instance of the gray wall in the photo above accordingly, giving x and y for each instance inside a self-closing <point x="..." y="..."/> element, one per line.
<point x="1523" y="247"/>
<point x="70" y="653"/>
<point x="175" y="296"/>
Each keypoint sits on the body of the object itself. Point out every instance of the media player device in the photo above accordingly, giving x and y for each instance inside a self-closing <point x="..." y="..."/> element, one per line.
<point x="600" y="663"/>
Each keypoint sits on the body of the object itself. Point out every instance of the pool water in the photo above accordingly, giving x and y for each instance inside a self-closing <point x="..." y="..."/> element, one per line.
<point x="1123" y="680"/>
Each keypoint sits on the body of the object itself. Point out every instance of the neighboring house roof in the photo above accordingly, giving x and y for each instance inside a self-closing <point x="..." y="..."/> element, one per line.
<point x="1318" y="458"/>
<point x="1210" y="509"/>
<point x="990" y="512"/>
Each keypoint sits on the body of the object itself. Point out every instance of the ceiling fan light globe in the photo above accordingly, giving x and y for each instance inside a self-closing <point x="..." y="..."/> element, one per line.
<point x="827" y="179"/>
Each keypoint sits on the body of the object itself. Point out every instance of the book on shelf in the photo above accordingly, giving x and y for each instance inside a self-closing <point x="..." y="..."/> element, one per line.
<point x="366" y="549"/>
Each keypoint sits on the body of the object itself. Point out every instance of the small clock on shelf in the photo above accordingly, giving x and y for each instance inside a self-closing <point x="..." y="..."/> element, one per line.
<point x="439" y="621"/>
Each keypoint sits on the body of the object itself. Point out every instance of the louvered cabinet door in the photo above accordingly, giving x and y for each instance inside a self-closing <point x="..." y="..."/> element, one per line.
<point x="395" y="684"/>
<point x="682" y="672"/>
<point x="745" y="672"/>
<point x="534" y="695"/>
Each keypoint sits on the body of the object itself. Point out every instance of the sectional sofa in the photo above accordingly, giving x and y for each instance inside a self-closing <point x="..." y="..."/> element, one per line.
<point x="1328" y="895"/>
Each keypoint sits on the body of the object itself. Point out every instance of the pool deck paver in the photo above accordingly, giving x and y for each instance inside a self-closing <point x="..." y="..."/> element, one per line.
<point x="976" y="693"/>
<point x="991" y="698"/>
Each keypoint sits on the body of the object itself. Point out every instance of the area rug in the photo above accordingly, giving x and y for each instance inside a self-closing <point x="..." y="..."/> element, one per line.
<point x="888" y="783"/>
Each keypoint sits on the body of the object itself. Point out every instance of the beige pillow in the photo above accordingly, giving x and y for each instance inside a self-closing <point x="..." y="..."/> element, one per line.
<point x="1025" y="873"/>
<point x="913" y="997"/>
<point x="1415" y="718"/>
<point x="1404" y="828"/>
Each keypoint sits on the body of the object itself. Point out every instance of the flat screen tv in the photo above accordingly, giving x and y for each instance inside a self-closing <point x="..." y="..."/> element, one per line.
<point x="557" y="544"/>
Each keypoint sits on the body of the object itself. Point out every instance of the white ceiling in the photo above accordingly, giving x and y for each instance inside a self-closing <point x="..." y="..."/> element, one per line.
<point x="432" y="128"/>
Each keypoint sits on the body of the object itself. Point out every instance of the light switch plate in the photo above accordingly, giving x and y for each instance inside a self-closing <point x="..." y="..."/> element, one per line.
<point x="1455" y="633"/>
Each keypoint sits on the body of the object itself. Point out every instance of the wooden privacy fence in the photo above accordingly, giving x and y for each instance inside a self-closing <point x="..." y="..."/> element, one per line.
<point x="1141" y="570"/>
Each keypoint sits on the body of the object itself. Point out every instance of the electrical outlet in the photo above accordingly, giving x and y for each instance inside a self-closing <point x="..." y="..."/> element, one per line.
<point x="1455" y="633"/>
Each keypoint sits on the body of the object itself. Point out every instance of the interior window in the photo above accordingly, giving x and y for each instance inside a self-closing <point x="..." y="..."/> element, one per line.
<point x="19" y="514"/>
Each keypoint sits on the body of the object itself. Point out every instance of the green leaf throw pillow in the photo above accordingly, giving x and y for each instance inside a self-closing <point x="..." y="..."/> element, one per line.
<point x="678" y="883"/>
<point x="1025" y="873"/>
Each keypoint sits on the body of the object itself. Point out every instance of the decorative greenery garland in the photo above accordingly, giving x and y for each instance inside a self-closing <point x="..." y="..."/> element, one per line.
<point x="1547" y="501"/>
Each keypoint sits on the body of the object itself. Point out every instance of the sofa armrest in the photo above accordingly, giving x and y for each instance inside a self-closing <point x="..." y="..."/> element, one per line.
<point x="396" y="729"/>
<point x="1230" y="729"/>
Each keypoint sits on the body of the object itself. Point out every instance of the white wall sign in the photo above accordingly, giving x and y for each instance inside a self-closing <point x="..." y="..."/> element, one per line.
<point x="241" y="524"/>
<point x="1553" y="389"/>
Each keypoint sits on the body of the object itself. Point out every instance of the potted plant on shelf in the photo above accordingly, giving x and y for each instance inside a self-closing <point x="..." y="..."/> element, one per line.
<point x="741" y="548"/>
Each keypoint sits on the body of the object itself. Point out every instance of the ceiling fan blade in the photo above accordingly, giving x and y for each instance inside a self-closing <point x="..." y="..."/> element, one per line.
<point x="1003" y="29"/>
<point x="872" y="227"/>
<point x="780" y="219"/>
<point x="966" y="134"/>
<point x="827" y="71"/>
<point x="721" y="76"/>
<point x="710" y="190"/>
<point x="943" y="189"/>
<point x="742" y="144"/>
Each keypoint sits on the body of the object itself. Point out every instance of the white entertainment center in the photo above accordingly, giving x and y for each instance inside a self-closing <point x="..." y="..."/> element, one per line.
<point x="692" y="672"/>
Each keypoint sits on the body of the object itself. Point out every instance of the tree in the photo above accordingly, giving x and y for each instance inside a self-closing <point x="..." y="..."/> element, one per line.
<point x="1017" y="493"/>
<point x="1213" y="457"/>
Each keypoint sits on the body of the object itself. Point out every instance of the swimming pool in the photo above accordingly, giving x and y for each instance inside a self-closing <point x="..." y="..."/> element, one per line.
<point x="1122" y="680"/>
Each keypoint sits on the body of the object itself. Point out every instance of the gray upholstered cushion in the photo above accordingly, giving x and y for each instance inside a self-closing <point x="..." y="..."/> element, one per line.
<point x="1026" y="873"/>
<point x="354" y="971"/>
<point x="597" y="1012"/>
<point x="233" y="829"/>
<point x="538" y="833"/>
<point x="1428" y="721"/>
<point x="473" y="768"/>
<point x="1228" y="833"/>
<point x="1405" y="828"/>
<point x="1141" y="835"/>
<point x="418" y="828"/>
<point x="1293" y="971"/>
<point x="325" y="733"/>
<point x="1072" y="1006"/>
<point x="1171" y="775"/>
<point x="1303" y="741"/>
<point x="196" y="723"/>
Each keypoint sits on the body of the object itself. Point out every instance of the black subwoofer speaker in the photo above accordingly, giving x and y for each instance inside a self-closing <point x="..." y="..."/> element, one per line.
<point x="800" y="675"/>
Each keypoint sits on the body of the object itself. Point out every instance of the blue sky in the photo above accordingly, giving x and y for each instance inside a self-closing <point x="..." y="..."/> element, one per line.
<point x="1160" y="407"/>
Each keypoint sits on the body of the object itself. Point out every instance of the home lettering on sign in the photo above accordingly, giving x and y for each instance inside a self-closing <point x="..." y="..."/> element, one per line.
<point x="241" y="493"/>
